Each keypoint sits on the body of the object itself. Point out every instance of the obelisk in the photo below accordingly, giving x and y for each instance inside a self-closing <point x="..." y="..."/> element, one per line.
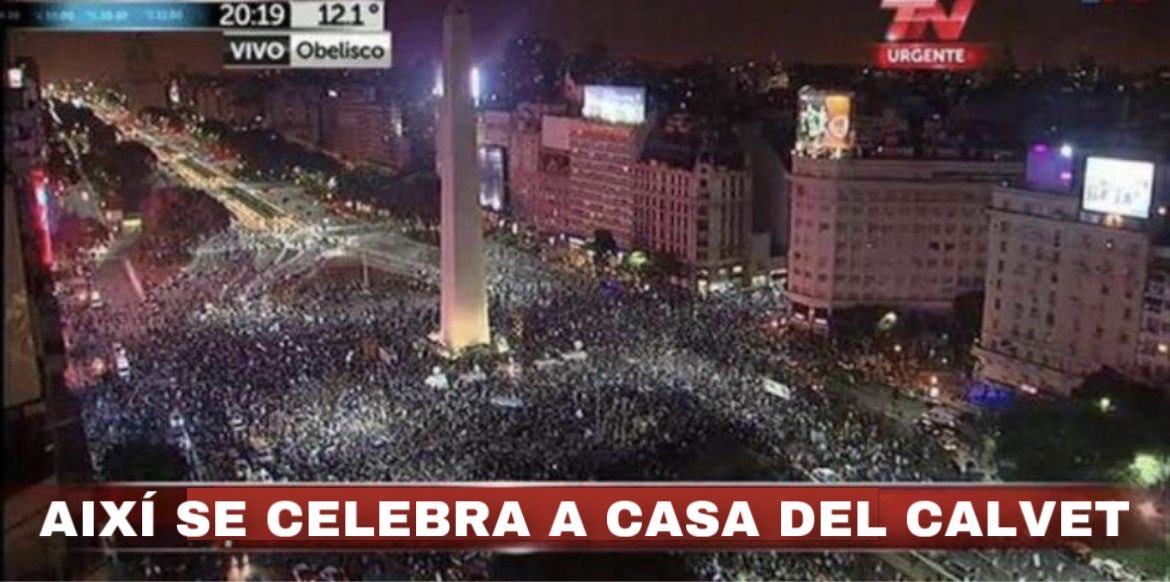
<point x="464" y="314"/>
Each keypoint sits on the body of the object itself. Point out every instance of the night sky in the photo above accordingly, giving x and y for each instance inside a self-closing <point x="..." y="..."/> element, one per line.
<point x="1128" y="33"/>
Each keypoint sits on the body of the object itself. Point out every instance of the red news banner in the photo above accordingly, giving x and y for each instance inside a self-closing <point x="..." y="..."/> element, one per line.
<point x="608" y="517"/>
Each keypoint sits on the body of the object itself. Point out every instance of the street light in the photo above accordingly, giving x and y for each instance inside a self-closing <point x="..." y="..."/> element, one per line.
<point x="1105" y="404"/>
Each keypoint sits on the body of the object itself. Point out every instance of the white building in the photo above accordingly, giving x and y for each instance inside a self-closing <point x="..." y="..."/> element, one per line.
<point x="907" y="233"/>
<point x="1154" y="338"/>
<point x="1064" y="297"/>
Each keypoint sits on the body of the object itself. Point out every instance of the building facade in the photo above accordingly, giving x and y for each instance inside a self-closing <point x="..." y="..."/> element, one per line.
<point x="695" y="207"/>
<point x="294" y="110"/>
<point x="685" y="191"/>
<point x="1065" y="297"/>
<point x="43" y="439"/>
<point x="524" y="170"/>
<point x="601" y="183"/>
<point x="904" y="233"/>
<point x="1153" y="357"/>
<point x="361" y="127"/>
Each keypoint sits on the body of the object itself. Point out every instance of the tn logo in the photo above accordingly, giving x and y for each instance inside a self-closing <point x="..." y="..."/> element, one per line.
<point x="911" y="18"/>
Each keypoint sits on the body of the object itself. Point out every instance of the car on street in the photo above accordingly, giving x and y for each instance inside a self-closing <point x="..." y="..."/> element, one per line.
<point x="121" y="362"/>
<point x="826" y="475"/>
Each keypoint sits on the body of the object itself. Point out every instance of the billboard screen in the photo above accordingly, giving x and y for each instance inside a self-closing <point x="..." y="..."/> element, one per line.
<point x="824" y="126"/>
<point x="491" y="177"/>
<point x="624" y="105"/>
<point x="1118" y="187"/>
<point x="1050" y="167"/>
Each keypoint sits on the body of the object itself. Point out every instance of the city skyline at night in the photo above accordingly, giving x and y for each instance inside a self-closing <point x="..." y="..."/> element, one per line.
<point x="1053" y="32"/>
<point x="676" y="261"/>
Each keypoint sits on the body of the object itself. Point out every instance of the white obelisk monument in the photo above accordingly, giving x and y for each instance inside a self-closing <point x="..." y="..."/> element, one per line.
<point x="463" y="317"/>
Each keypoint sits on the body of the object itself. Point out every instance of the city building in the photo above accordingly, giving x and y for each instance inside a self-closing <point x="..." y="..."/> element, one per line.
<point x="362" y="127"/>
<point x="1070" y="291"/>
<point x="548" y="205"/>
<point x="771" y="183"/>
<point x="680" y="186"/>
<point x="493" y="142"/>
<point x="234" y="102"/>
<point x="145" y="87"/>
<point x="692" y="199"/>
<point x="43" y="439"/>
<point x="902" y="231"/>
<point x="524" y="141"/>
<point x="601" y="181"/>
<point x="1153" y="357"/>
<point x="295" y="110"/>
<point x="493" y="128"/>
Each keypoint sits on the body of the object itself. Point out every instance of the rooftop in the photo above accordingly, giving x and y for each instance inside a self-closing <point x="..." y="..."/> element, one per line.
<point x="686" y="150"/>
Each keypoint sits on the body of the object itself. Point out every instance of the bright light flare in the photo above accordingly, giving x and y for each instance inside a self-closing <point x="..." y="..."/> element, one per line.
<point x="476" y="85"/>
<point x="476" y="81"/>
<point x="1148" y="470"/>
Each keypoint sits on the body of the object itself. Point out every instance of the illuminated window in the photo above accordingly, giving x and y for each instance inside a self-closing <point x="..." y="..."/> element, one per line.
<point x="16" y="78"/>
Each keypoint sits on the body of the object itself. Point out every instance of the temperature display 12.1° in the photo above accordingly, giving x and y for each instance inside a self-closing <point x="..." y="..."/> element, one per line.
<point x="360" y="15"/>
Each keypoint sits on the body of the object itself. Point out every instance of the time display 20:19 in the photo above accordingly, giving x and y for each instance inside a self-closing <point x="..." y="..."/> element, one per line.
<point x="235" y="15"/>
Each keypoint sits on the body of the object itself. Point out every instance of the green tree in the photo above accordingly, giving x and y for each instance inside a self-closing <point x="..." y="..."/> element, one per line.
<point x="1094" y="435"/>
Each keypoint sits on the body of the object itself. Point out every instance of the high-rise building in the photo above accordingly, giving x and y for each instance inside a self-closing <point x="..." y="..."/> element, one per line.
<point x="1064" y="298"/>
<point x="771" y="183"/>
<point x="295" y="110"/>
<point x="24" y="269"/>
<point x="145" y="86"/>
<point x="602" y="181"/>
<point x="360" y="126"/>
<point x="1070" y="291"/>
<point x="1154" y="337"/>
<point x="524" y="166"/>
<point x="903" y="232"/>
<point x="692" y="200"/>
<point x="548" y="206"/>
<point x="680" y="188"/>
<point x="43" y="438"/>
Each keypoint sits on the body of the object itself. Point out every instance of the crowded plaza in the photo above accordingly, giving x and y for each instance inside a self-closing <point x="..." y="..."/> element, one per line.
<point x="270" y="358"/>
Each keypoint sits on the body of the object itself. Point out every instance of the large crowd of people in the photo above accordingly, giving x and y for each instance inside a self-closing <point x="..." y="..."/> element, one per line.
<point x="261" y="362"/>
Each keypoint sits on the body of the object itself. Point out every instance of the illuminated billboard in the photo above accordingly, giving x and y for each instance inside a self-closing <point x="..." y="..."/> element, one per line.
<point x="624" y="105"/>
<point x="824" y="126"/>
<point x="15" y="78"/>
<point x="1118" y="187"/>
<point x="492" y="181"/>
<point x="1050" y="168"/>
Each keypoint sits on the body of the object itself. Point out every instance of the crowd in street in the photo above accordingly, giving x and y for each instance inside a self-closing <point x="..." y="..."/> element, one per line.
<point x="321" y="374"/>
